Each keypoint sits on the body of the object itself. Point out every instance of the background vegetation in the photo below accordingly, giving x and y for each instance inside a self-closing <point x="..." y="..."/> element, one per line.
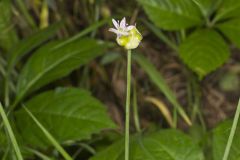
<point x="63" y="79"/>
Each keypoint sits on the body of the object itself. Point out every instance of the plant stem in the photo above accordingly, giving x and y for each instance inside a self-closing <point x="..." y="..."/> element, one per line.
<point x="233" y="129"/>
<point x="135" y="110"/>
<point x="10" y="133"/>
<point x="6" y="91"/>
<point x="127" y="120"/>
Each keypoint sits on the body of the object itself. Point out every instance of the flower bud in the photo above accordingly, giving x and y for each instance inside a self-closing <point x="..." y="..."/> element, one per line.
<point x="127" y="36"/>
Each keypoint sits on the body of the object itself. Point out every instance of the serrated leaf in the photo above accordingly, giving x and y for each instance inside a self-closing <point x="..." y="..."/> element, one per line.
<point x="232" y="30"/>
<point x="204" y="51"/>
<point x="220" y="138"/>
<point x="31" y="42"/>
<point x="159" y="81"/>
<point x="163" y="145"/>
<point x="68" y="114"/>
<point x="172" y="14"/>
<point x="50" y="63"/>
<point x="228" y="9"/>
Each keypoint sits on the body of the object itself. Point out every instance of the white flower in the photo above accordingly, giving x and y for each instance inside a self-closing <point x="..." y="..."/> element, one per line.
<point x="127" y="36"/>
<point x="121" y="29"/>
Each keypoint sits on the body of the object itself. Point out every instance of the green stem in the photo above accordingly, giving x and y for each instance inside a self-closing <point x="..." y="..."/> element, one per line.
<point x="127" y="120"/>
<point x="175" y="117"/>
<point x="197" y="102"/>
<point x="6" y="91"/>
<point x="233" y="130"/>
<point x="10" y="133"/>
<point x="135" y="110"/>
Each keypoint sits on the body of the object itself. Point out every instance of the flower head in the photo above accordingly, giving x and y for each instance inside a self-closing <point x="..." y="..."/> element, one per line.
<point x="127" y="36"/>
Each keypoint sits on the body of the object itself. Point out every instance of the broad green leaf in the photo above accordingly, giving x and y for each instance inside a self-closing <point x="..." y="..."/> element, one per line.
<point x="204" y="51"/>
<point x="228" y="9"/>
<point x="31" y="42"/>
<point x="220" y="138"/>
<point x="159" y="81"/>
<point x="172" y="14"/>
<point x="50" y="63"/>
<point x="7" y="34"/>
<point x="231" y="29"/>
<point x="163" y="145"/>
<point x="206" y="6"/>
<point x="68" y="114"/>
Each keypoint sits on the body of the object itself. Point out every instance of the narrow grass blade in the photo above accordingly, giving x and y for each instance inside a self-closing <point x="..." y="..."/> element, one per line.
<point x="10" y="133"/>
<point x="161" y="35"/>
<point x="159" y="81"/>
<point x="84" y="32"/>
<point x="26" y="14"/>
<point x="39" y="154"/>
<point x="49" y="136"/>
<point x="233" y="129"/>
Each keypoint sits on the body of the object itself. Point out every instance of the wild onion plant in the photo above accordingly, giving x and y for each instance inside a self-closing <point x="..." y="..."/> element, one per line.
<point x="128" y="37"/>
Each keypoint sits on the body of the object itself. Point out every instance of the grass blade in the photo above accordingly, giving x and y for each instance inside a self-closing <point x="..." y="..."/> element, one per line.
<point x="10" y="133"/>
<point x="39" y="154"/>
<point x="158" y="80"/>
<point x="233" y="129"/>
<point x="84" y="32"/>
<point x="161" y="35"/>
<point x="49" y="136"/>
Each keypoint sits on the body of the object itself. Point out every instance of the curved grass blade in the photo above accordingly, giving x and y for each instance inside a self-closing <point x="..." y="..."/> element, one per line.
<point x="84" y="32"/>
<point x="10" y="133"/>
<point x="49" y="136"/>
<point x="158" y="80"/>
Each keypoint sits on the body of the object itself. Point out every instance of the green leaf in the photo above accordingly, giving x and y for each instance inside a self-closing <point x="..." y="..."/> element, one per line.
<point x="31" y="42"/>
<point x="228" y="9"/>
<point x="172" y="14"/>
<point x="68" y="114"/>
<point x="204" y="51"/>
<point x="206" y="6"/>
<point x="159" y="81"/>
<point x="232" y="30"/>
<point x="50" y="63"/>
<point x="163" y="145"/>
<point x="7" y="35"/>
<point x="220" y="138"/>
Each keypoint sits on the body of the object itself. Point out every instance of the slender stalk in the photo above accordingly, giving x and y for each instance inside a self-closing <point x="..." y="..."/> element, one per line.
<point x="127" y="120"/>
<point x="6" y="91"/>
<point x="10" y="133"/>
<point x="232" y="132"/>
<point x="135" y="110"/>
